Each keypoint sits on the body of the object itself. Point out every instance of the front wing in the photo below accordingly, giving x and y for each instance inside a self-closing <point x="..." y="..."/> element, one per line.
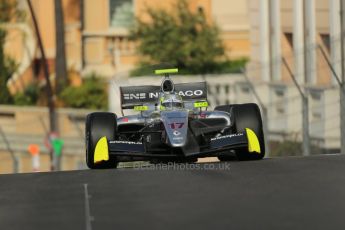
<point x="247" y="139"/>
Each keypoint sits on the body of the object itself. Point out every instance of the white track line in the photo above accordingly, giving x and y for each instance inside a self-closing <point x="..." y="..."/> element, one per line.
<point x="88" y="217"/>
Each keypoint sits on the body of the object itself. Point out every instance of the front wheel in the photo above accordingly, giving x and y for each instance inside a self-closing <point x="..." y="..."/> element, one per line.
<point x="246" y="116"/>
<point x="98" y="125"/>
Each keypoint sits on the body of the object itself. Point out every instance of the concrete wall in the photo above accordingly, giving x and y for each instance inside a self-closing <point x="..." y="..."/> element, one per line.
<point x="233" y="19"/>
<point x="304" y="57"/>
<point x="317" y="15"/>
<point x="23" y="126"/>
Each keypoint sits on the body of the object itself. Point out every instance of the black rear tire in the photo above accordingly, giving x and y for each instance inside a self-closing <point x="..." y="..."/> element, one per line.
<point x="99" y="124"/>
<point x="245" y="116"/>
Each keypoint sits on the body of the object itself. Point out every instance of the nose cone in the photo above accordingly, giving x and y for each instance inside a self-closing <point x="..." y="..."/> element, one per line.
<point x="176" y="126"/>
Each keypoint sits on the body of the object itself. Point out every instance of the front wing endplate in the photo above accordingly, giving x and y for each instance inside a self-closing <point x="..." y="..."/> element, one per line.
<point x="101" y="151"/>
<point x="253" y="141"/>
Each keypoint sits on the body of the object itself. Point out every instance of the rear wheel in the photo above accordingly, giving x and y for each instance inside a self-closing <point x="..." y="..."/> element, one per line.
<point x="98" y="125"/>
<point x="245" y="116"/>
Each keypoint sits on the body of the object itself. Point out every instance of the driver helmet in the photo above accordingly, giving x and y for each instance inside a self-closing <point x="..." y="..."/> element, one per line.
<point x="171" y="101"/>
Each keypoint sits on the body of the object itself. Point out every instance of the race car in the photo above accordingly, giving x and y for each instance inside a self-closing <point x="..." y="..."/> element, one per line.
<point x="172" y="124"/>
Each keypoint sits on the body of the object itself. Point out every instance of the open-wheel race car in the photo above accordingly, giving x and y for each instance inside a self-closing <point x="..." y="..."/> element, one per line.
<point x="172" y="124"/>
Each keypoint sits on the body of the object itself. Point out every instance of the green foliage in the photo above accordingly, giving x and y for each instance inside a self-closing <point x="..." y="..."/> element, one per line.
<point x="183" y="38"/>
<point x="7" y="68"/>
<point x="293" y="148"/>
<point x="28" y="97"/>
<point x="91" y="94"/>
<point x="233" y="66"/>
<point x="286" y="148"/>
<point x="9" y="11"/>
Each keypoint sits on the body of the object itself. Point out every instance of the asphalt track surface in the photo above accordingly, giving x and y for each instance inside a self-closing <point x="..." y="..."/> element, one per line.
<point x="281" y="193"/>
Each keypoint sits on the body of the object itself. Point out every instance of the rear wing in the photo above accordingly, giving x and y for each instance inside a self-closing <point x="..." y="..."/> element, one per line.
<point x="138" y="95"/>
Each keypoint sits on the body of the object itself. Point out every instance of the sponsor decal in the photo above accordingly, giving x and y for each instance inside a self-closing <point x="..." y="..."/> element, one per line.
<point x="125" y="142"/>
<point x="190" y="93"/>
<point x="153" y="95"/>
<point x="203" y="115"/>
<point x="125" y="119"/>
<point x="142" y="96"/>
<point x="171" y="100"/>
<point x="177" y="138"/>
<point x="227" y="136"/>
<point x="131" y="96"/>
<point x="141" y="108"/>
<point x="176" y="125"/>
<point x="201" y="104"/>
<point x="176" y="133"/>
